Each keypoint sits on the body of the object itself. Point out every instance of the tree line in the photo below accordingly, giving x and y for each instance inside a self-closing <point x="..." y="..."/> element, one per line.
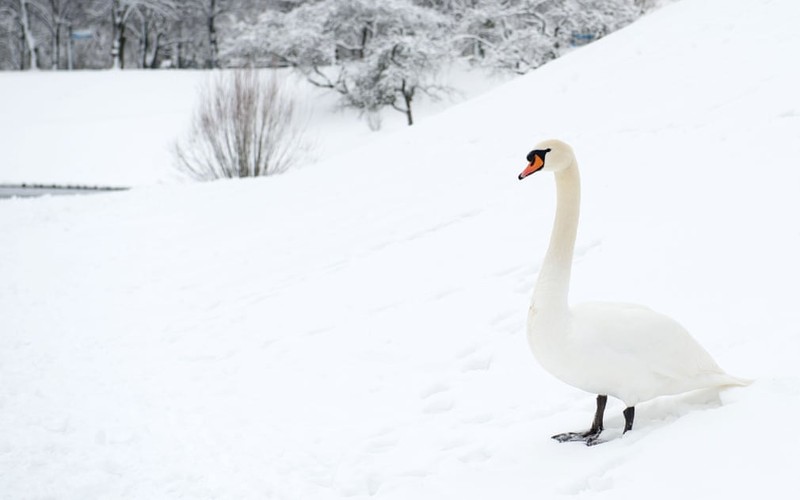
<point x="514" y="35"/>
<point x="96" y="34"/>
<point x="373" y="53"/>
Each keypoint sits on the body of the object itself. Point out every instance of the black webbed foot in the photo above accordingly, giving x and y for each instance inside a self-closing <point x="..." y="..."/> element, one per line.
<point x="590" y="437"/>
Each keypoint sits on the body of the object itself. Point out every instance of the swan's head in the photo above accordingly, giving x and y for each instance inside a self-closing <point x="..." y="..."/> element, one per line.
<point x="550" y="156"/>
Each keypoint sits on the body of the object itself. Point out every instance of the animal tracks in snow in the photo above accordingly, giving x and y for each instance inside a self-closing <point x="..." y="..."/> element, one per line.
<point x="381" y="444"/>
<point x="435" y="388"/>
<point x="417" y="233"/>
<point x="508" y="321"/>
<point x="437" y="398"/>
<point x="439" y="404"/>
<point x="599" y="480"/>
<point x="475" y="455"/>
<point x="472" y="359"/>
<point x="583" y="249"/>
<point x="477" y="362"/>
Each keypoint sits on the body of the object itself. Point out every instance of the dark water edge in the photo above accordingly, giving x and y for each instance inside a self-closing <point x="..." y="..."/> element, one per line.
<point x="34" y="190"/>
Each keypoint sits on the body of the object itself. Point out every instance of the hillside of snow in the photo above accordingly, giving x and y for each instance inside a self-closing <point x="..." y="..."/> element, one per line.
<point x="119" y="128"/>
<point x="356" y="328"/>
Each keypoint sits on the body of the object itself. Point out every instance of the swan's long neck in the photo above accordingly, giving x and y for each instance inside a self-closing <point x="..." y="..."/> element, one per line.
<point x="552" y="287"/>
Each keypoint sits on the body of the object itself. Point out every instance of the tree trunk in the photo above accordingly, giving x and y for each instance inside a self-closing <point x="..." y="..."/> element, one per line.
<point x="56" y="47"/>
<point x="23" y="51"/>
<point x="122" y="41"/>
<point x="176" y="54"/>
<point x="177" y="61"/>
<point x="115" y="49"/>
<point x="152" y="56"/>
<point x="69" y="47"/>
<point x="408" y="96"/>
<point x="144" y="43"/>
<point x="213" y="49"/>
<point x="27" y="33"/>
<point x="118" y="17"/>
<point x="364" y="38"/>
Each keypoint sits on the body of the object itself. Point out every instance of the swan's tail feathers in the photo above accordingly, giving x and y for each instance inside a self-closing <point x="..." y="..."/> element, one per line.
<point x="731" y="381"/>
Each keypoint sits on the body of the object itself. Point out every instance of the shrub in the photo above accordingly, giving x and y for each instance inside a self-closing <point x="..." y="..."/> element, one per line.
<point x="245" y="125"/>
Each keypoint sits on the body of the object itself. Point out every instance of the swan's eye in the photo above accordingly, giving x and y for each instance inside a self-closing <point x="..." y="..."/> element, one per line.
<point x="537" y="153"/>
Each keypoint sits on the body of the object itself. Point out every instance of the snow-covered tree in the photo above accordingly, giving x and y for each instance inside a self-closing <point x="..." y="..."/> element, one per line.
<point x="57" y="16"/>
<point x="123" y="15"/>
<point x="373" y="53"/>
<point x="11" y="47"/>
<point x="316" y="35"/>
<point x="200" y="28"/>
<point x="392" y="74"/>
<point x="203" y="31"/>
<point x="120" y="11"/>
<point x="507" y="35"/>
<point x="152" y="27"/>
<point x="19" y="17"/>
<point x="581" y="21"/>
<point x="520" y="35"/>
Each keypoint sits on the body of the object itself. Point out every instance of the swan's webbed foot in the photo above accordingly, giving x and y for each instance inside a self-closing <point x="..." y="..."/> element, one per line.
<point x="592" y="436"/>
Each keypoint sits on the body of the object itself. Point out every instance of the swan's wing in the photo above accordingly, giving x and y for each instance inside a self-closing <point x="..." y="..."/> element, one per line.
<point x="638" y="336"/>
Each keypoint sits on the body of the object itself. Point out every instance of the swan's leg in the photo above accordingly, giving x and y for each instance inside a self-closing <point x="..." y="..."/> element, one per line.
<point x="590" y="436"/>
<point x="628" y="414"/>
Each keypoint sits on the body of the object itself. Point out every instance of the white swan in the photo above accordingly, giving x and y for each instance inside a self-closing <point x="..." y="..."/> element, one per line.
<point x="620" y="350"/>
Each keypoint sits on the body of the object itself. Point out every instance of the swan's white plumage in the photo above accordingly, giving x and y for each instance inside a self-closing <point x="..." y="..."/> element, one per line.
<point x="622" y="350"/>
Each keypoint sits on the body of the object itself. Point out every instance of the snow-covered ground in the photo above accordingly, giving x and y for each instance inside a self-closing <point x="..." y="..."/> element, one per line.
<point x="119" y="128"/>
<point x="355" y="328"/>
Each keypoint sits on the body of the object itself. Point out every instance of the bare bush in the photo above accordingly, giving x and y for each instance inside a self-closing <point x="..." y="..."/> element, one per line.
<point x="246" y="125"/>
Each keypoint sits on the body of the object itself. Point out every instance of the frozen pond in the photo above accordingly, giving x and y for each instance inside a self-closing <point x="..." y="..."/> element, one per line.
<point x="32" y="190"/>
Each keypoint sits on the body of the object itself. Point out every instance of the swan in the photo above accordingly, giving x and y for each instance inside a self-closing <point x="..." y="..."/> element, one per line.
<point x="610" y="349"/>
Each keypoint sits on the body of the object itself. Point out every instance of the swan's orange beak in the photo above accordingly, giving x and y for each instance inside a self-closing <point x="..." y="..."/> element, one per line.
<point x="532" y="167"/>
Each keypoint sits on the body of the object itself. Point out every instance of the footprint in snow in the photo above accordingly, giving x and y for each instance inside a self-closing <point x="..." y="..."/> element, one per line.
<point x="435" y="388"/>
<point x="582" y="250"/>
<point x="478" y="418"/>
<point x="437" y="398"/>
<point x="601" y="479"/>
<point x="381" y="445"/>
<point x="439" y="403"/>
<point x="478" y="362"/>
<point x="509" y="270"/>
<point x="503" y="317"/>
<point x="476" y="455"/>
<point x="473" y="359"/>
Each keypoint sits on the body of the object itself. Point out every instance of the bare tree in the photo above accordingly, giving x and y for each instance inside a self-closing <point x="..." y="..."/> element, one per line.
<point x="10" y="45"/>
<point x="24" y="18"/>
<point x="121" y="14"/>
<point x="57" y="16"/>
<point x="211" y="11"/>
<point x="245" y="126"/>
<point x="152" y="30"/>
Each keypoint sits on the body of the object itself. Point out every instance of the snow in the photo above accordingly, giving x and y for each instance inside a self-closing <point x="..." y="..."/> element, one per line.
<point x="355" y="328"/>
<point x="114" y="128"/>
